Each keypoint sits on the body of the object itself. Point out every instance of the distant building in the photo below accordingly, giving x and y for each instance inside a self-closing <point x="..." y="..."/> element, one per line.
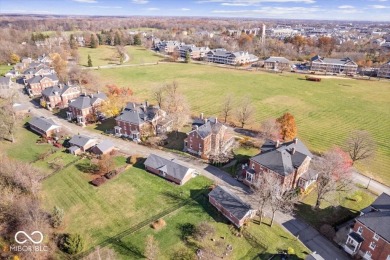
<point x="196" y="53"/>
<point x="167" y="47"/>
<point x="231" y="206"/>
<point x="170" y="169"/>
<point x="370" y="236"/>
<point x="330" y="65"/>
<point x="384" y="70"/>
<point x="230" y="58"/>
<point x="277" y="63"/>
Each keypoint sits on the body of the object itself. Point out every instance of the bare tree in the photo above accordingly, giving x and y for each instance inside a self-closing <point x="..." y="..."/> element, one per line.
<point x="270" y="129"/>
<point x="333" y="169"/>
<point x="360" y="146"/>
<point x="8" y="120"/>
<point x="151" y="248"/>
<point x="245" y="111"/>
<point x="227" y="107"/>
<point x="158" y="95"/>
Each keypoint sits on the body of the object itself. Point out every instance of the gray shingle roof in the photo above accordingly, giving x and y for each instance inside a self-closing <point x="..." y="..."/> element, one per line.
<point x="382" y="203"/>
<point x="356" y="237"/>
<point x="105" y="146"/>
<point x="5" y="81"/>
<point x="208" y="128"/>
<point x="43" y="123"/>
<point x="79" y="140"/>
<point x="282" y="159"/>
<point x="84" y="101"/>
<point x="277" y="59"/>
<point x="377" y="221"/>
<point x="37" y="79"/>
<point x="230" y="202"/>
<point x="137" y="114"/>
<point x="51" y="91"/>
<point x="342" y="61"/>
<point x="172" y="167"/>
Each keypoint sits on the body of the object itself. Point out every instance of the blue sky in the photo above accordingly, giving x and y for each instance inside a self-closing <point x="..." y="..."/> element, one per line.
<point x="375" y="10"/>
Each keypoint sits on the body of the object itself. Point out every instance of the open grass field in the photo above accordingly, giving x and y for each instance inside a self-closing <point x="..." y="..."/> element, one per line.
<point x="4" y="69"/>
<point x="326" y="112"/>
<point x="107" y="55"/>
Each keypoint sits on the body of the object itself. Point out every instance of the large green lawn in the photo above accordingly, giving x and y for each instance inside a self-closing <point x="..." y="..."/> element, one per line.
<point x="4" y="69"/>
<point x="106" y="55"/>
<point x="326" y="112"/>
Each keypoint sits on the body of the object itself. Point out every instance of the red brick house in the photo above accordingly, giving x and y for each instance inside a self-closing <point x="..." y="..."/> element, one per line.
<point x="370" y="236"/>
<point x="37" y="84"/>
<point x="288" y="161"/>
<point x="39" y="69"/>
<point x="170" y="169"/>
<point x="136" y="118"/>
<point x="208" y="138"/>
<point x="231" y="206"/>
<point x="44" y="126"/>
<point x="59" y="96"/>
<point x="85" y="105"/>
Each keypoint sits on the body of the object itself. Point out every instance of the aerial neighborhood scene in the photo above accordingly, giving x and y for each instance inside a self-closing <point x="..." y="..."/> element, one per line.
<point x="194" y="130"/>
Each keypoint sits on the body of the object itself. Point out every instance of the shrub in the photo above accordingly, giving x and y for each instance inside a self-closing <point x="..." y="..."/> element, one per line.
<point x="158" y="224"/>
<point x="99" y="181"/>
<point x="111" y="174"/>
<point x="71" y="243"/>
<point x="183" y="254"/>
<point x="57" y="217"/>
<point x="133" y="159"/>
<point x="290" y="251"/>
<point x="328" y="231"/>
<point x="357" y="198"/>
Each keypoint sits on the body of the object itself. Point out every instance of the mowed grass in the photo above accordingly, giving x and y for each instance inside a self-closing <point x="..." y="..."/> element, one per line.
<point x="326" y="112"/>
<point x="99" y="213"/>
<point x="4" y="69"/>
<point x="108" y="55"/>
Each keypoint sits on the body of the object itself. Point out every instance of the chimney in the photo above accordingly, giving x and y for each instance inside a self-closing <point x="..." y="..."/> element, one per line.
<point x="277" y="143"/>
<point x="295" y="140"/>
<point x="196" y="127"/>
<point x="146" y="103"/>
<point x="91" y="95"/>
<point x="205" y="120"/>
<point x="293" y="150"/>
<point x="216" y="120"/>
<point x="201" y="115"/>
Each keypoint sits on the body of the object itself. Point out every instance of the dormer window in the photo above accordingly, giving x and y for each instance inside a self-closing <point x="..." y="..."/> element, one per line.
<point x="376" y="237"/>
<point x="360" y="230"/>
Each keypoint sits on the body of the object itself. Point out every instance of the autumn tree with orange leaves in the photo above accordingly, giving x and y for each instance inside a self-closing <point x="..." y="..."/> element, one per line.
<point x="117" y="99"/>
<point x="288" y="127"/>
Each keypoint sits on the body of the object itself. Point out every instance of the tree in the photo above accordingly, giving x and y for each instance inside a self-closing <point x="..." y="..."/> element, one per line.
<point x="288" y="127"/>
<point x="270" y="129"/>
<point x="333" y="169"/>
<point x="245" y="111"/>
<point x="151" y="248"/>
<point x="73" y="42"/>
<point x="89" y="61"/>
<point x="94" y="41"/>
<point x="60" y="65"/>
<point x="137" y="39"/>
<point x="326" y="44"/>
<point x="227" y="107"/>
<point x="8" y="121"/>
<point x="188" y="57"/>
<point x="360" y="146"/>
<point x="158" y="95"/>
<point x="71" y="243"/>
<point x="14" y="58"/>
<point x="299" y="42"/>
<point x="117" y="39"/>
<point x="106" y="163"/>
<point x="117" y="99"/>
<point x="202" y="230"/>
<point x="57" y="217"/>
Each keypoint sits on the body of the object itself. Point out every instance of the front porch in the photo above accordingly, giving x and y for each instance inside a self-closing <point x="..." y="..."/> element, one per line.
<point x="353" y="243"/>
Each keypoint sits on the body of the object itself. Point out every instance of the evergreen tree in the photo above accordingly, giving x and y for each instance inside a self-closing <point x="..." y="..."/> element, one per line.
<point x="137" y="39"/>
<point x="73" y="42"/>
<point x="94" y="41"/>
<point x="188" y="57"/>
<point x="117" y="39"/>
<point x="89" y="61"/>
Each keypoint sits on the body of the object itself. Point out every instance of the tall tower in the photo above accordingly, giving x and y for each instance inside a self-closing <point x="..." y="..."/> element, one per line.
<point x="263" y="34"/>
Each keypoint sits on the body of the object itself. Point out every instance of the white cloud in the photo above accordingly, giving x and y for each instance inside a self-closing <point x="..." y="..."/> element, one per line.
<point x="153" y="9"/>
<point x="346" y="7"/>
<point x="379" y="6"/>
<point x="108" y="6"/>
<point x="86" y="1"/>
<point x="140" y="2"/>
<point x="270" y="11"/>
<point x="253" y="2"/>
<point x="185" y="9"/>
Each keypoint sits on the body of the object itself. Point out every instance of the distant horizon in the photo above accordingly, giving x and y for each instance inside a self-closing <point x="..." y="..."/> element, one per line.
<point x="315" y="10"/>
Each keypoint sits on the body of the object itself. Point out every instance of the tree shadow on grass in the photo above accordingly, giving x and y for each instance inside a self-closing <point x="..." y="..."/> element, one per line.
<point x="87" y="167"/>
<point x="127" y="249"/>
<point x="175" y="141"/>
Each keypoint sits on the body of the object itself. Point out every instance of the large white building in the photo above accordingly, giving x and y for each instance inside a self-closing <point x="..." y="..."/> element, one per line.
<point x="231" y="58"/>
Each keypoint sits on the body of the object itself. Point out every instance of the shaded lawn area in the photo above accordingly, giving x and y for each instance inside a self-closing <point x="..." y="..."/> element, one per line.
<point x="106" y="125"/>
<point x="127" y="199"/>
<point x="326" y="112"/>
<point x="171" y="238"/>
<point x="336" y="209"/>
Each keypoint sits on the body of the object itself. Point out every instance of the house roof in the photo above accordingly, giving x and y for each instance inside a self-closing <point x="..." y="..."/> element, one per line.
<point x="277" y="59"/>
<point x="37" y="79"/>
<point x="208" y="128"/>
<point x="172" y="167"/>
<point x="137" y="113"/>
<point x="105" y="146"/>
<point x="356" y="237"/>
<point x="5" y="80"/>
<point x="85" y="101"/>
<point x="73" y="149"/>
<point x="80" y="140"/>
<point x="45" y="124"/>
<point x="377" y="221"/>
<point x="229" y="201"/>
<point x="283" y="159"/>
<point x="382" y="203"/>
<point x="51" y="91"/>
<point x="342" y="61"/>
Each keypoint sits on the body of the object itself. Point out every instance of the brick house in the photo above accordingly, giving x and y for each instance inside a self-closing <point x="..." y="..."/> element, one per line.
<point x="231" y="206"/>
<point x="59" y="96"/>
<point x="37" y="84"/>
<point x="209" y="138"/>
<point x="170" y="169"/>
<point x="288" y="161"/>
<point x="136" y="119"/>
<point x="40" y="69"/>
<point x="44" y="126"/>
<point x="105" y="147"/>
<point x="330" y="65"/>
<point x="277" y="63"/>
<point x="85" y="105"/>
<point x="370" y="236"/>
<point x="80" y="143"/>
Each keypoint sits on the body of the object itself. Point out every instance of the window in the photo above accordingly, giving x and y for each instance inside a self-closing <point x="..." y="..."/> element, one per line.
<point x="368" y="253"/>
<point x="200" y="146"/>
<point x="249" y="177"/>
<point x="253" y="166"/>
<point x="372" y="245"/>
<point x="190" y="146"/>
<point x="376" y="237"/>
<point x="360" y="230"/>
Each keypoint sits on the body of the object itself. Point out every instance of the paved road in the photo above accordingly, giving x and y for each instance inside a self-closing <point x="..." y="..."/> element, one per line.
<point x="306" y="234"/>
<point x="372" y="185"/>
